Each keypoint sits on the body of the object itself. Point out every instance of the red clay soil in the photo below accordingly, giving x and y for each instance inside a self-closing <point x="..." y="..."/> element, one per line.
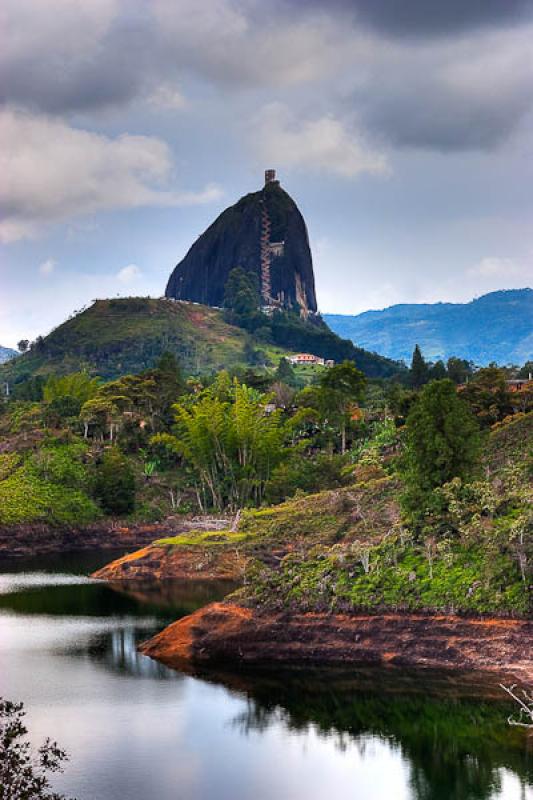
<point x="179" y="563"/>
<point x="226" y="633"/>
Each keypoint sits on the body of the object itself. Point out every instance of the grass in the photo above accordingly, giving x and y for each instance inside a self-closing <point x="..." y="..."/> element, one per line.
<point x="397" y="575"/>
<point x="203" y="539"/>
<point x="114" y="337"/>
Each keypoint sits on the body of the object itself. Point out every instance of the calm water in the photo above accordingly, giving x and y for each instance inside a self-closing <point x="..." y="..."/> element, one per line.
<point x="136" y="731"/>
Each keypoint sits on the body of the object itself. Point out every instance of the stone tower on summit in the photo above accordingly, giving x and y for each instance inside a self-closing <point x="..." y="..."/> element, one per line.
<point x="263" y="233"/>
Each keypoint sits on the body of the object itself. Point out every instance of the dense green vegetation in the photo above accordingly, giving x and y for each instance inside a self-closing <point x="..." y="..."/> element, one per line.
<point x="370" y="493"/>
<point x="122" y="336"/>
<point x="289" y="330"/>
<point x="474" y="555"/>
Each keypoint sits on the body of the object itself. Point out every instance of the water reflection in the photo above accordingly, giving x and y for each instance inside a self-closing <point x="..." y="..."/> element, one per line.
<point x="136" y="730"/>
<point x="452" y="730"/>
<point x="118" y="652"/>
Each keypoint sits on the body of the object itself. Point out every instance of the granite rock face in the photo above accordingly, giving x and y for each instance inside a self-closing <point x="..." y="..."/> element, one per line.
<point x="265" y="234"/>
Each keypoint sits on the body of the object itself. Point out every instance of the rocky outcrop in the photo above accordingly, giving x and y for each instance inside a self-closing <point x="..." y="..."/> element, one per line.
<point x="265" y="234"/>
<point x="227" y="633"/>
<point x="164" y="562"/>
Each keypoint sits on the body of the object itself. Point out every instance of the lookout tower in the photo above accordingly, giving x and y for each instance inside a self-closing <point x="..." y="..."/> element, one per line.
<point x="270" y="176"/>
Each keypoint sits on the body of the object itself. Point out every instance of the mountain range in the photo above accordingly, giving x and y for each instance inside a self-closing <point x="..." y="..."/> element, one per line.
<point x="494" y="327"/>
<point x="6" y="353"/>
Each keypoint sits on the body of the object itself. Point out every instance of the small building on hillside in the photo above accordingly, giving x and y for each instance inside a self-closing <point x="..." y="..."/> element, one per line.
<point x="518" y="384"/>
<point x="308" y="359"/>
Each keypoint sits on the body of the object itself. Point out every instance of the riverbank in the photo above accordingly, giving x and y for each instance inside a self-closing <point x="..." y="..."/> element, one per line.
<point x="21" y="541"/>
<point x="228" y="633"/>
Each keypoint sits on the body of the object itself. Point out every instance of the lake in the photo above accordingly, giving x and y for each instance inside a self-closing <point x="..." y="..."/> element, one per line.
<point x="135" y="730"/>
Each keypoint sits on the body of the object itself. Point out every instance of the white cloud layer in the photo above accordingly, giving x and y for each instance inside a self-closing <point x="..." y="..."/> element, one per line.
<point x="47" y="267"/>
<point x="323" y="144"/>
<point x="52" y="172"/>
<point x="129" y="274"/>
<point x="500" y="268"/>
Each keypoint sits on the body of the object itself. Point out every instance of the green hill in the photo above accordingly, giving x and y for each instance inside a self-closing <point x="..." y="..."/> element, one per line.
<point x="494" y="327"/>
<point x="115" y="337"/>
<point x="119" y="336"/>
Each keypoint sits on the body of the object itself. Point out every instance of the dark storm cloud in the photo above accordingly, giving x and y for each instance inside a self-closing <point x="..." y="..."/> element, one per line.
<point x="432" y="91"/>
<point x="459" y="96"/>
<point x="110" y="72"/>
<point x="436" y="120"/>
<point x="422" y="18"/>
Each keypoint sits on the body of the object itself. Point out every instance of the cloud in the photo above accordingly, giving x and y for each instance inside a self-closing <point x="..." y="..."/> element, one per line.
<point x="68" y="54"/>
<point x="447" y="76"/>
<point x="414" y="18"/>
<point x="168" y="98"/>
<point x="323" y="144"/>
<point x="47" y="267"/>
<point x="502" y="268"/>
<point x="245" y="44"/>
<point x="129" y="274"/>
<point x="460" y="95"/>
<point x="52" y="172"/>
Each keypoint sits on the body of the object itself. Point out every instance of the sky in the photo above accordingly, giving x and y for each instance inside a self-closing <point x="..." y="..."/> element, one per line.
<point x="403" y="130"/>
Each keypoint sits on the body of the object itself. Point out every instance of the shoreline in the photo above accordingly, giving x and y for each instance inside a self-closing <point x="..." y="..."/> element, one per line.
<point x="226" y="633"/>
<point x="20" y="541"/>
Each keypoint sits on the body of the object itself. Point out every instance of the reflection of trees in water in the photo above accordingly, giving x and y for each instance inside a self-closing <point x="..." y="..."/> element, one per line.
<point x="456" y="742"/>
<point x="183" y="597"/>
<point x="118" y="651"/>
<point x="168" y="600"/>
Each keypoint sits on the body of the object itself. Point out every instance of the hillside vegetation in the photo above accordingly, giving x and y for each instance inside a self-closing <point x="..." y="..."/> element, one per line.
<point x="115" y="337"/>
<point x="120" y="336"/>
<point x="352" y="550"/>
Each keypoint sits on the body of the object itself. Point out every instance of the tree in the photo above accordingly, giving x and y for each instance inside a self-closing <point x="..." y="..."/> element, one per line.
<point x="442" y="443"/>
<point x="23" y="345"/>
<point x="60" y="410"/>
<point x="241" y="294"/>
<point x="526" y="371"/>
<point x="169" y="385"/>
<point x="285" y="374"/>
<point x="102" y="413"/>
<point x="458" y="369"/>
<point x="24" y="772"/>
<point x="78" y="385"/>
<point x="437" y="371"/>
<point x="115" y="483"/>
<point x="419" y="372"/>
<point x="228" y="441"/>
<point x="488" y="396"/>
<point x="343" y="387"/>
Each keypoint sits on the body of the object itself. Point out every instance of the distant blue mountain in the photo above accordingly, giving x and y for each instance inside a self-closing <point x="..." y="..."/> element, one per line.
<point x="6" y="353"/>
<point x="495" y="327"/>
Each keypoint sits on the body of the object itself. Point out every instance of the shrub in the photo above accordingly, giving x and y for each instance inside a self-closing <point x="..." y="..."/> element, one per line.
<point x="115" y="483"/>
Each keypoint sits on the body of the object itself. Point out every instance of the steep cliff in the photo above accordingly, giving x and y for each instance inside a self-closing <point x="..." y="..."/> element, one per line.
<point x="265" y="234"/>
